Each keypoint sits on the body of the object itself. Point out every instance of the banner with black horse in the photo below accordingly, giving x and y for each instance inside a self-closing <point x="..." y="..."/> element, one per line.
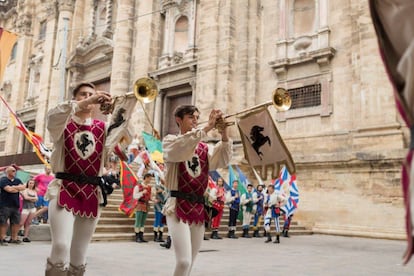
<point x="264" y="148"/>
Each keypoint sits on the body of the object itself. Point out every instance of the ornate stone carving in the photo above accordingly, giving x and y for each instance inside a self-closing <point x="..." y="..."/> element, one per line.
<point x="66" y="5"/>
<point x="24" y="23"/>
<point x="108" y="24"/>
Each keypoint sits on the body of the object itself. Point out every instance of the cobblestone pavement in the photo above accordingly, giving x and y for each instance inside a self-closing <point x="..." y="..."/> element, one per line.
<point x="297" y="255"/>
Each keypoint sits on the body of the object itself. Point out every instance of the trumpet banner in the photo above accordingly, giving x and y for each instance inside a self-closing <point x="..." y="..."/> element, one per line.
<point x="263" y="146"/>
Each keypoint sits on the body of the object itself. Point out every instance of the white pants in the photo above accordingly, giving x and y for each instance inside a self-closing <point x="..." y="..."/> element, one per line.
<point x="186" y="241"/>
<point x="247" y="218"/>
<point x="70" y="235"/>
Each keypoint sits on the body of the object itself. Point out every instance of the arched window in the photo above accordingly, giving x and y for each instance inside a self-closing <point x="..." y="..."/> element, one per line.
<point x="181" y="35"/>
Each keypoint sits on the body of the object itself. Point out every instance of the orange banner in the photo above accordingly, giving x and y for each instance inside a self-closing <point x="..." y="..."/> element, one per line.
<point x="7" y="41"/>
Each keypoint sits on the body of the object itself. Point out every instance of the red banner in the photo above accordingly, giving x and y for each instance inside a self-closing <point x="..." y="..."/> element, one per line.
<point x="128" y="181"/>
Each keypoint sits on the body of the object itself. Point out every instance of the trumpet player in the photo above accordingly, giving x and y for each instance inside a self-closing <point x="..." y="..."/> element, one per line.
<point x="78" y="191"/>
<point x="188" y="161"/>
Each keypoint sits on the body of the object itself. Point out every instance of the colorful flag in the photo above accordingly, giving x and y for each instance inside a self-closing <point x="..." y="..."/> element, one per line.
<point x="128" y="181"/>
<point x="232" y="176"/>
<point x="263" y="146"/>
<point x="242" y="178"/>
<point x="240" y="187"/>
<point x="35" y="139"/>
<point x="154" y="147"/>
<point x="287" y="184"/>
<point x="215" y="175"/>
<point x="7" y="41"/>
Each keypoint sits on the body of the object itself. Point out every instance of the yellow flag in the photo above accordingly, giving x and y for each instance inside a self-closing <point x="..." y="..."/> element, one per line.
<point x="7" y="40"/>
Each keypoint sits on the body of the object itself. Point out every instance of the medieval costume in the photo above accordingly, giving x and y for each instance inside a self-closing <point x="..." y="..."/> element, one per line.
<point x="258" y="215"/>
<point x="81" y="145"/>
<point x="142" y="193"/>
<point x="247" y="202"/>
<point x="218" y="194"/>
<point x="274" y="200"/>
<point x="188" y="161"/>
<point x="233" y="201"/>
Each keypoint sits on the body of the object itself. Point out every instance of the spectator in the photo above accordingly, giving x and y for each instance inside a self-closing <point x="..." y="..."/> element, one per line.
<point x="42" y="204"/>
<point x="10" y="188"/>
<point x="29" y="209"/>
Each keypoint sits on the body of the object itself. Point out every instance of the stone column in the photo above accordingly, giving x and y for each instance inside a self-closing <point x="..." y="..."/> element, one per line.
<point x="122" y="55"/>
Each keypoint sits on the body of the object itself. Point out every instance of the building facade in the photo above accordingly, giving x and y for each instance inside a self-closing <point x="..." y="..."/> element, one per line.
<point x="342" y="130"/>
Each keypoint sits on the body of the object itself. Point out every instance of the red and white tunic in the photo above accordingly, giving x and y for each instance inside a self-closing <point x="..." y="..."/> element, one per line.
<point x="83" y="153"/>
<point x="193" y="179"/>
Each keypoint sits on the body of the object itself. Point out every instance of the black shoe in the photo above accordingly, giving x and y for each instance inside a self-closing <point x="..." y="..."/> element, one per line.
<point x="286" y="234"/>
<point x="3" y="242"/>
<point x="277" y="239"/>
<point x="269" y="238"/>
<point x="20" y="233"/>
<point x="160" y="239"/>
<point x="141" y="237"/>
<point x="166" y="244"/>
<point x="26" y="239"/>
<point x="15" y="241"/>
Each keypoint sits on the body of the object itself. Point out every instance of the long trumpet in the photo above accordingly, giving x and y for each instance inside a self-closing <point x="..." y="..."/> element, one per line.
<point x="281" y="101"/>
<point x="145" y="91"/>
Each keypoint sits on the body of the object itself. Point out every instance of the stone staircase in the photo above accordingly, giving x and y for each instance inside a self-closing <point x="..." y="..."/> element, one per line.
<point x="115" y="226"/>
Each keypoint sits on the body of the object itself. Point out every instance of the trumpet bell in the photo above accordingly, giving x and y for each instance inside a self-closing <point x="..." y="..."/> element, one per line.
<point x="145" y="90"/>
<point x="281" y="99"/>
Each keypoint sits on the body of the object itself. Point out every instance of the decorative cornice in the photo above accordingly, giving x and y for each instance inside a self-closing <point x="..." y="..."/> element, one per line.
<point x="321" y="56"/>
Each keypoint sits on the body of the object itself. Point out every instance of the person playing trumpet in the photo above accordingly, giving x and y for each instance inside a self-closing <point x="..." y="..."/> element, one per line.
<point x="188" y="161"/>
<point x="77" y="192"/>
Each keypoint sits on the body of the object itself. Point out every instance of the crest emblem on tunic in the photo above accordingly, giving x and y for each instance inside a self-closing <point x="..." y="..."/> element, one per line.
<point x="193" y="166"/>
<point x="84" y="144"/>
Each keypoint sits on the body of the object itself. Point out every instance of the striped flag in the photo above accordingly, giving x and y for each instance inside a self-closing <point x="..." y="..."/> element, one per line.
<point x="7" y="41"/>
<point x="215" y="176"/>
<point x="287" y="184"/>
<point x="35" y="139"/>
<point x="128" y="181"/>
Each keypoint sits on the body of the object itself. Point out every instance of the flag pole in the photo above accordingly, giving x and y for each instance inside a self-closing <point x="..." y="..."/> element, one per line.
<point x="259" y="179"/>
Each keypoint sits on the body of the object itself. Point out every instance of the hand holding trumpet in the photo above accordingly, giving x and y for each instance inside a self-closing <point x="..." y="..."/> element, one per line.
<point x="217" y="121"/>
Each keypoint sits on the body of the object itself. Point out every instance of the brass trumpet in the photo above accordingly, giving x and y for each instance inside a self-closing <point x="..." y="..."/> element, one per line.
<point x="145" y="90"/>
<point x="281" y="101"/>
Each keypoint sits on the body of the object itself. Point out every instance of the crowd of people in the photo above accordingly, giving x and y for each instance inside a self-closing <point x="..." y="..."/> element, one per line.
<point x="258" y="210"/>
<point x="22" y="204"/>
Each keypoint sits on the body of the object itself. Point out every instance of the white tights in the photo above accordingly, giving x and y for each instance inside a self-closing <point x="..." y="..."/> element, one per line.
<point x="70" y="234"/>
<point x="186" y="240"/>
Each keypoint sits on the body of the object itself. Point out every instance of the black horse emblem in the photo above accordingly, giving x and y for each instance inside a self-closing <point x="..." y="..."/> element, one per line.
<point x="193" y="164"/>
<point x="84" y="143"/>
<point x="258" y="139"/>
<point x="119" y="120"/>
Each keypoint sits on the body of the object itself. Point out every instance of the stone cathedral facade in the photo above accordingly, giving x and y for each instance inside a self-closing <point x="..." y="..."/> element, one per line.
<point x="342" y="130"/>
